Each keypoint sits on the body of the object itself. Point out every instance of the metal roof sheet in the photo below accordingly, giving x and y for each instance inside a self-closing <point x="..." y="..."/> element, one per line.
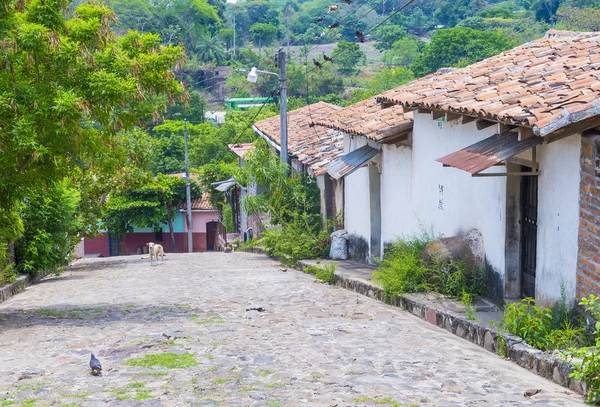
<point x="347" y="164"/>
<point x="486" y="153"/>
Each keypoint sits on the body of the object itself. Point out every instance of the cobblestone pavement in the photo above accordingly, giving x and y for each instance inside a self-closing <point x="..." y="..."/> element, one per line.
<point x="314" y="345"/>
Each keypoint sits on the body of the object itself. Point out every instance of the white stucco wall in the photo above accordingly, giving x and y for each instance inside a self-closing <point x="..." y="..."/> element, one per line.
<point x="356" y="196"/>
<point x="396" y="163"/>
<point x="448" y="201"/>
<point x="558" y="219"/>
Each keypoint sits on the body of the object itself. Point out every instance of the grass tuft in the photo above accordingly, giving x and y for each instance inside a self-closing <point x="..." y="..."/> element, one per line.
<point x="165" y="360"/>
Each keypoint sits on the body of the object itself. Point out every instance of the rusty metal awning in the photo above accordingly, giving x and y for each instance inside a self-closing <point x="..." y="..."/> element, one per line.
<point x="347" y="164"/>
<point x="489" y="152"/>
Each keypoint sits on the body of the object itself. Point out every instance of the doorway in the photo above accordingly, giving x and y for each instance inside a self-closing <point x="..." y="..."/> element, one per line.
<point x="529" y="209"/>
<point x="375" y="205"/>
<point x="211" y="234"/>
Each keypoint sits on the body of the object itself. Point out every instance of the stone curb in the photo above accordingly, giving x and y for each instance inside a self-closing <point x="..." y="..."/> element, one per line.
<point x="21" y="282"/>
<point x="544" y="364"/>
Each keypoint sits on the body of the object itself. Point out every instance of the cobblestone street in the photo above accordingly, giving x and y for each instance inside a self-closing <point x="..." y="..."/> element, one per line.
<point x="314" y="344"/>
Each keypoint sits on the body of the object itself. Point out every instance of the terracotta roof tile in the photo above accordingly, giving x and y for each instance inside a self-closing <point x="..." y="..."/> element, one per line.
<point x="368" y="119"/>
<point x="520" y="86"/>
<point x="241" y="149"/>
<point x="201" y="203"/>
<point x="313" y="146"/>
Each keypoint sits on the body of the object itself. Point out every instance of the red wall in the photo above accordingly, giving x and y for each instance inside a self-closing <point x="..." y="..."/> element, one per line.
<point x="97" y="245"/>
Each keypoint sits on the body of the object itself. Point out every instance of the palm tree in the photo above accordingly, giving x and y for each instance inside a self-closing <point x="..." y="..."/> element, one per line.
<point x="209" y="49"/>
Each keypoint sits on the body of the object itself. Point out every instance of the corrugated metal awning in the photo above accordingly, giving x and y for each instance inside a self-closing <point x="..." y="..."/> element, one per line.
<point x="489" y="152"/>
<point x="347" y="164"/>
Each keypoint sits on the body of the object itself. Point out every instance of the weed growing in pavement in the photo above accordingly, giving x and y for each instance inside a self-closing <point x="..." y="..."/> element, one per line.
<point x="165" y="360"/>
<point x="8" y="402"/>
<point x="136" y="385"/>
<point x="467" y="300"/>
<point x="274" y="385"/>
<point x="139" y="396"/>
<point x="274" y="404"/>
<point x="28" y="403"/>
<point x="265" y="373"/>
<point x="324" y="273"/>
<point x="222" y="380"/>
<point x="384" y="400"/>
<point x="213" y="319"/>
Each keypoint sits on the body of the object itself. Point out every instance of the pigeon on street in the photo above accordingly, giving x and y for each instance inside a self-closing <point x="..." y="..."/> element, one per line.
<point x="95" y="365"/>
<point x="259" y="309"/>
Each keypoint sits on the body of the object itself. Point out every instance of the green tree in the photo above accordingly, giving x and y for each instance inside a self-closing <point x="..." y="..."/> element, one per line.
<point x="383" y="80"/>
<point x="388" y="35"/>
<point x="404" y="52"/>
<point x="459" y="46"/>
<point x="346" y="55"/>
<point x="579" y="19"/>
<point x="208" y="49"/>
<point x="226" y="36"/>
<point x="451" y="12"/>
<point x="69" y="89"/>
<point x="264" y="34"/>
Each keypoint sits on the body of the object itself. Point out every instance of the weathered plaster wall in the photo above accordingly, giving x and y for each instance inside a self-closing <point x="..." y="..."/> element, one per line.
<point x="448" y="201"/>
<point x="558" y="219"/>
<point x="396" y="187"/>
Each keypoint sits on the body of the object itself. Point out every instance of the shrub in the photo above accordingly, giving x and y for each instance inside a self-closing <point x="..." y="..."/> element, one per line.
<point x="528" y="321"/>
<point x="296" y="240"/>
<point x="403" y="270"/>
<point x="586" y="361"/>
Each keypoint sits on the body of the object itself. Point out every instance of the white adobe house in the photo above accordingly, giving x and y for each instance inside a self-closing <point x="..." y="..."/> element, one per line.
<point x="507" y="146"/>
<point x="310" y="149"/>
<point x="377" y="157"/>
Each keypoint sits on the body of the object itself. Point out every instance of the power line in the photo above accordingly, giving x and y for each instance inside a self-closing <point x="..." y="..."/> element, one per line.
<point x="251" y="121"/>
<point x="368" y="32"/>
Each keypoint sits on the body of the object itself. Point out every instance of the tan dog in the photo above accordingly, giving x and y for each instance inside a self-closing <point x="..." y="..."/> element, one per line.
<point x="155" y="250"/>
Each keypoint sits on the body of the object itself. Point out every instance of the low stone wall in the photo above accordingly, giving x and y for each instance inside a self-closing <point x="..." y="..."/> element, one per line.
<point x="545" y="364"/>
<point x="20" y="283"/>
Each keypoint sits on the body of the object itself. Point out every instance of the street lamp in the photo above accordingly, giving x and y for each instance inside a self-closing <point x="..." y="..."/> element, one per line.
<point x="253" y="77"/>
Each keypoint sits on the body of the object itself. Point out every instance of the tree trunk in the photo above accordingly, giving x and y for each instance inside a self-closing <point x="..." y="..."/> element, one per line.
<point x="170" y="223"/>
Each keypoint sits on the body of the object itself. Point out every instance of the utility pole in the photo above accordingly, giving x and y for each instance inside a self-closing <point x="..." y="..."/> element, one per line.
<point x="234" y="36"/>
<point x="283" y="106"/>
<point x="188" y="195"/>
<point x="288" y="10"/>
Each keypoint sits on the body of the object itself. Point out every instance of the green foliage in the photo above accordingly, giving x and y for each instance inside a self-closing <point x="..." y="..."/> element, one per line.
<point x="579" y="19"/>
<point x="71" y="131"/>
<point x="263" y="33"/>
<point x="528" y="321"/>
<point x="7" y="268"/>
<point x="151" y="204"/>
<point x="208" y="49"/>
<point x="586" y="361"/>
<point x="388" y="35"/>
<point x="291" y="201"/>
<point x="403" y="270"/>
<point x="459" y="46"/>
<point x="298" y="239"/>
<point x="404" y="51"/>
<point x="51" y="225"/>
<point x="347" y="55"/>
<point x="467" y="300"/>
<point x="324" y="273"/>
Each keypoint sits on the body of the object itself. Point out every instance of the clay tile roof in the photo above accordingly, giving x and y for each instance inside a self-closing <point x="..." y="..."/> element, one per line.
<point x="368" y="119"/>
<point x="202" y="203"/>
<point x="546" y="84"/>
<point x="313" y="146"/>
<point x="241" y="149"/>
